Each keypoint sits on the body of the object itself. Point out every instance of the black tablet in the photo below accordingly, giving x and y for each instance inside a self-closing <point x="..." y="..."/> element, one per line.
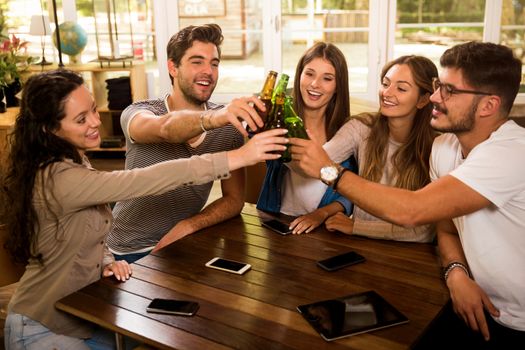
<point x="350" y="315"/>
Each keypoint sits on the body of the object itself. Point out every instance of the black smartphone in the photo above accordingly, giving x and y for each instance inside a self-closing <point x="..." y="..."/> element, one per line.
<point x="173" y="307"/>
<point x="339" y="261"/>
<point x="228" y="265"/>
<point x="277" y="226"/>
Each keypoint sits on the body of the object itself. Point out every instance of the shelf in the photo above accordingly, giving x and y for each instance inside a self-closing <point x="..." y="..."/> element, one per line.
<point x="95" y="76"/>
<point x="87" y="67"/>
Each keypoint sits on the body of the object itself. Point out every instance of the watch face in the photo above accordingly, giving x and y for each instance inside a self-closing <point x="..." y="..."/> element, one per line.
<point x="329" y="174"/>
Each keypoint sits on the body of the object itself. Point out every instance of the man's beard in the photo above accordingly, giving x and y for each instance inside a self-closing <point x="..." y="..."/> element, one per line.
<point x="189" y="95"/>
<point x="463" y="125"/>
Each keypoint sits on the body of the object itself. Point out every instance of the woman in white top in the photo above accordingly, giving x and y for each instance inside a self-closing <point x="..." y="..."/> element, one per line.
<point x="321" y="99"/>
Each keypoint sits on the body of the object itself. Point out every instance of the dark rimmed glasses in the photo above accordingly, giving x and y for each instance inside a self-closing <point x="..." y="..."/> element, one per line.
<point x="447" y="90"/>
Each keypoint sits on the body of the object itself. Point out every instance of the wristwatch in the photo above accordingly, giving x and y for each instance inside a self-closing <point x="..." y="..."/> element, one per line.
<point x="329" y="174"/>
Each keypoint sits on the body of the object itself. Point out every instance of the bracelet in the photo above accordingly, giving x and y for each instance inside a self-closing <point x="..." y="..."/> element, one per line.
<point x="339" y="176"/>
<point x="201" y="120"/>
<point x="453" y="265"/>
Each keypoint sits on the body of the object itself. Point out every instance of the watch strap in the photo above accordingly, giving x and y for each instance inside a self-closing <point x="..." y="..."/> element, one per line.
<point x="339" y="176"/>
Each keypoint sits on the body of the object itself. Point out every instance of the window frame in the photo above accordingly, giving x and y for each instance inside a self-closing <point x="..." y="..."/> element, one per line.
<point x="382" y="24"/>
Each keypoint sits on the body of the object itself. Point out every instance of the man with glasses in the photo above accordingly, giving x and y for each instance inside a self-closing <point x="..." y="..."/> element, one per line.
<point x="451" y="90"/>
<point x="477" y="197"/>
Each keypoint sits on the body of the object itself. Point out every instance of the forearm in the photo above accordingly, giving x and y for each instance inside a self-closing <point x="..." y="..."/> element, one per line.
<point x="449" y="244"/>
<point x="217" y="211"/>
<point x="385" y="230"/>
<point x="388" y="203"/>
<point x="447" y="197"/>
<point x="453" y="260"/>
<point x="180" y="126"/>
<point x="330" y="209"/>
<point x="227" y="206"/>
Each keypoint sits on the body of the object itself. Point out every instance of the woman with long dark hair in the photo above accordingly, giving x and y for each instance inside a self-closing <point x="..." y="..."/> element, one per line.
<point x="322" y="100"/>
<point x="56" y="209"/>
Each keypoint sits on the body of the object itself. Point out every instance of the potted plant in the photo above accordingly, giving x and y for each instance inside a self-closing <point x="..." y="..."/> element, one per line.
<point x="13" y="61"/>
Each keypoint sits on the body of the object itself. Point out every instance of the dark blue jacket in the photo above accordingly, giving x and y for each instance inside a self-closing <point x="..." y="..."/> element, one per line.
<point x="270" y="196"/>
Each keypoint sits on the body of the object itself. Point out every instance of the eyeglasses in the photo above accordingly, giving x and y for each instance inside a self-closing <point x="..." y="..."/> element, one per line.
<point x="447" y="90"/>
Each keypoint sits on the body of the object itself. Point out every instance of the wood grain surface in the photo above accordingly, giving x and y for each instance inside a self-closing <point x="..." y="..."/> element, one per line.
<point x="257" y="310"/>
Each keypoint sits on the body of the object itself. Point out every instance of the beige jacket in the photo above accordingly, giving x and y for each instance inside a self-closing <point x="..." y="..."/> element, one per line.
<point x="75" y="252"/>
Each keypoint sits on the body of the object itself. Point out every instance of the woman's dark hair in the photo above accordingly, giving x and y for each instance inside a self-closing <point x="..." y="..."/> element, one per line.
<point x="33" y="147"/>
<point x="338" y="109"/>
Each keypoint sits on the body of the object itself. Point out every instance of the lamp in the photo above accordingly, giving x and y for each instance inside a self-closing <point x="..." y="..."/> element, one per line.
<point x="57" y="34"/>
<point x="40" y="26"/>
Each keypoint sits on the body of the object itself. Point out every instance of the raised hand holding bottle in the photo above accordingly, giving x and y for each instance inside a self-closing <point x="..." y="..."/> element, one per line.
<point x="266" y="97"/>
<point x="294" y="124"/>
<point x="276" y="117"/>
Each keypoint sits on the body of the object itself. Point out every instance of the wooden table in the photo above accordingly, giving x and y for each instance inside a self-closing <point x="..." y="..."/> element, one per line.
<point x="258" y="309"/>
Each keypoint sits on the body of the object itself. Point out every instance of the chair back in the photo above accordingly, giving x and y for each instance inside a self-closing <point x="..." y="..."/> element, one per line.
<point x="9" y="271"/>
<point x="254" y="180"/>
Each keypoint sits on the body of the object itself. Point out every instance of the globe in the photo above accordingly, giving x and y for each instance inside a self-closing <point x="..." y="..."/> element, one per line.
<point x="73" y="39"/>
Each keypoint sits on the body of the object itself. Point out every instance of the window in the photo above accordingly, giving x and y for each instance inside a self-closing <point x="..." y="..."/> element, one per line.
<point x="343" y="23"/>
<point x="242" y="64"/>
<point x="369" y="32"/>
<point x="273" y="34"/>
<point x="513" y="33"/>
<point x="18" y="15"/>
<point x="430" y="27"/>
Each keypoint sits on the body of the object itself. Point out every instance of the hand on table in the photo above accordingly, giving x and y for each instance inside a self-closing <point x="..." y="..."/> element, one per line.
<point x="307" y="223"/>
<point x="340" y="222"/>
<point x="120" y="269"/>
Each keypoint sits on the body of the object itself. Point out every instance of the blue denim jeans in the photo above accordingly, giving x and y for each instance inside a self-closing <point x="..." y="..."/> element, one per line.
<point x="23" y="333"/>
<point x="130" y="258"/>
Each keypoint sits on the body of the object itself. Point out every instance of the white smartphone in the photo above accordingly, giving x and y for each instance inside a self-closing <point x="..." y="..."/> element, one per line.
<point x="228" y="265"/>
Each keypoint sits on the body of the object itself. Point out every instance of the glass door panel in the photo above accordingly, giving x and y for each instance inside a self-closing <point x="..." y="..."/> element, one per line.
<point x="343" y="23"/>
<point x="430" y="27"/>
<point x="513" y="31"/>
<point x="242" y="68"/>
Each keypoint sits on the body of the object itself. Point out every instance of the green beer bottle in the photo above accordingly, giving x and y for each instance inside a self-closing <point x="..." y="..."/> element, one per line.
<point x="276" y="117"/>
<point x="266" y="97"/>
<point x="294" y="124"/>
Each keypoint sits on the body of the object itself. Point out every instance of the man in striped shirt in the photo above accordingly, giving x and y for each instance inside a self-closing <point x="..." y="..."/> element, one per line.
<point x="181" y="125"/>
